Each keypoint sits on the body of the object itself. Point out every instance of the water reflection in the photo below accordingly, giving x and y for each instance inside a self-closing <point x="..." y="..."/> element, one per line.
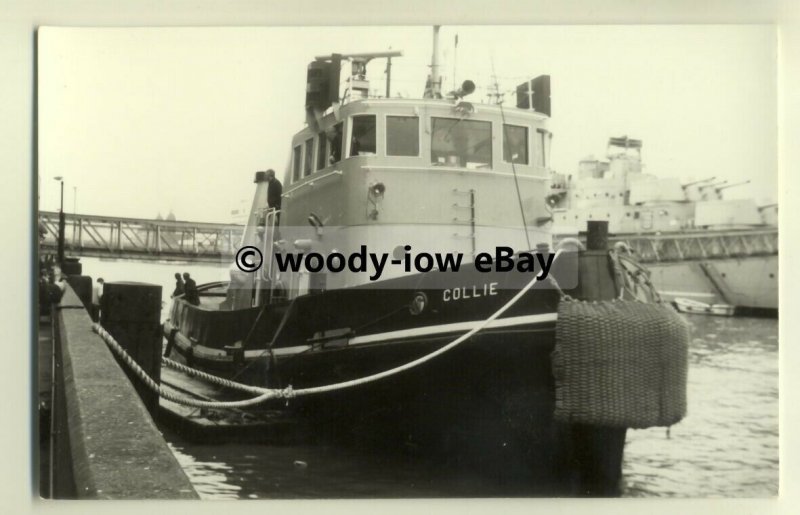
<point x="321" y="472"/>
<point x="209" y="478"/>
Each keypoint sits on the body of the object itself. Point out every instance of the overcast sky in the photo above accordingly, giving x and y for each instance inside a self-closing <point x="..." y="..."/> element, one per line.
<point x="142" y="121"/>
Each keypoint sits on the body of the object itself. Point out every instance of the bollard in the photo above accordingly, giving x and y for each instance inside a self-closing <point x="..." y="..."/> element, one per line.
<point x="596" y="281"/>
<point x="597" y="235"/>
<point x="72" y="266"/>
<point x="131" y="313"/>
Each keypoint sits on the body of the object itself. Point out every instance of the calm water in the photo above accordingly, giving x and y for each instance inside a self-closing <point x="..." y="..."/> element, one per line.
<point x="727" y="446"/>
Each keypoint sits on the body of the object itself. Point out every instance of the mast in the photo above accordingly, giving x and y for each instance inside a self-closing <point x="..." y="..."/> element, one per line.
<point x="434" y="89"/>
<point x="388" y="77"/>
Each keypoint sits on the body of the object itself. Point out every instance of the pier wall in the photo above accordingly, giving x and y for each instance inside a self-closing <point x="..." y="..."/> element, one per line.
<point x="105" y="445"/>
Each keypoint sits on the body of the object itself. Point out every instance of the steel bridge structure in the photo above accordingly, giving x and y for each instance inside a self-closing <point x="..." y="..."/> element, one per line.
<point x="134" y="238"/>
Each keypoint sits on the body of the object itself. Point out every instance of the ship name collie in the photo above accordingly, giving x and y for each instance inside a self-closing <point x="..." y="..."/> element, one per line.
<point x="469" y="292"/>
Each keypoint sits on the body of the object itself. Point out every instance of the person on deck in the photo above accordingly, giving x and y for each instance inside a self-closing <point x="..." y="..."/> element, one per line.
<point x="190" y="290"/>
<point x="179" y="286"/>
<point x="336" y="145"/>
<point x="54" y="288"/>
<point x="274" y="192"/>
<point x="44" y="296"/>
<point x="97" y="294"/>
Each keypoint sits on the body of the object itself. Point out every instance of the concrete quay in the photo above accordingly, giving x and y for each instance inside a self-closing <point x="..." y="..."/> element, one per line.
<point x="103" y="442"/>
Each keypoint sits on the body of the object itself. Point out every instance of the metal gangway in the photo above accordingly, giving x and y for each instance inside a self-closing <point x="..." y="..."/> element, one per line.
<point x="136" y="238"/>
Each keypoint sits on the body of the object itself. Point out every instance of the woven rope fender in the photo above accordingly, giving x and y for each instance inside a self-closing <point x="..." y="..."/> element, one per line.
<point x="620" y="364"/>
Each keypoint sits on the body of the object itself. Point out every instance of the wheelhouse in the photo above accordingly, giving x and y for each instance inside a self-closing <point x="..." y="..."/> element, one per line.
<point x="438" y="173"/>
<point x="432" y="134"/>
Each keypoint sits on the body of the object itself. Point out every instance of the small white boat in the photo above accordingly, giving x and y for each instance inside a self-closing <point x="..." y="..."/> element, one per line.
<point x="695" y="307"/>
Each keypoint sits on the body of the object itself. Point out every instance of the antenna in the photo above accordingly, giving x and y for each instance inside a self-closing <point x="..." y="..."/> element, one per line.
<point x="455" y="60"/>
<point x="513" y="167"/>
<point x="436" y="80"/>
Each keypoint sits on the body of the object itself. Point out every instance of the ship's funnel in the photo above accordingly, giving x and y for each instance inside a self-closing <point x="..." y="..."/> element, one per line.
<point x="535" y="94"/>
<point x="322" y="83"/>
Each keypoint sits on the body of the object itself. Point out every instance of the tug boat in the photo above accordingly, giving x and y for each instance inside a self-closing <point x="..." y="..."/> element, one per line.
<point x="402" y="177"/>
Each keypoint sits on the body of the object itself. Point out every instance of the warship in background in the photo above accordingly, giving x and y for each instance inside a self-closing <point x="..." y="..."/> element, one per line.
<point x="707" y="254"/>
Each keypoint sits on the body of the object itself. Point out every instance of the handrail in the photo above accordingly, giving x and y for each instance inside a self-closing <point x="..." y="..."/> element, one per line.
<point x="311" y="182"/>
<point x="267" y="253"/>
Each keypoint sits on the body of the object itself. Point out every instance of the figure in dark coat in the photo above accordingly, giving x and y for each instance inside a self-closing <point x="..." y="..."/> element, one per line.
<point x="336" y="145"/>
<point x="274" y="192"/>
<point x="179" y="287"/>
<point x="190" y="290"/>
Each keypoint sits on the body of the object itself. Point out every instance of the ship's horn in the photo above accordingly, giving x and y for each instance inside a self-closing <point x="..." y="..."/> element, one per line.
<point x="467" y="87"/>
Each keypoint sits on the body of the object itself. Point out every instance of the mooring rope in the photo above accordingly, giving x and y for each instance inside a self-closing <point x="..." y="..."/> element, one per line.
<point x="221" y="381"/>
<point x="266" y="394"/>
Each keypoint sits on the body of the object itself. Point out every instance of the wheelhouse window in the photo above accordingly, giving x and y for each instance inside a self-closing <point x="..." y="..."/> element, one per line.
<point x="322" y="151"/>
<point x="296" y="164"/>
<point x="515" y="144"/>
<point x="308" y="161"/>
<point x="542" y="143"/>
<point x="362" y="142"/>
<point x="335" y="138"/>
<point x="402" y="136"/>
<point x="461" y="143"/>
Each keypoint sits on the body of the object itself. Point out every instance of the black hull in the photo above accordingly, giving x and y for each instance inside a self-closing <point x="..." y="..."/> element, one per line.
<point x="487" y="403"/>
